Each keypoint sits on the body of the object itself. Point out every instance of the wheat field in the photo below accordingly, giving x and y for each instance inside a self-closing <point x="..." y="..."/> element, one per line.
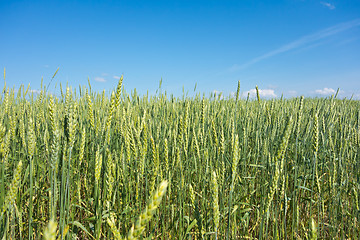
<point x="92" y="165"/>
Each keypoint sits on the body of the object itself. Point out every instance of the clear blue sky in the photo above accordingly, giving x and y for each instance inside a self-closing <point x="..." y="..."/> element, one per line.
<point x="294" y="47"/>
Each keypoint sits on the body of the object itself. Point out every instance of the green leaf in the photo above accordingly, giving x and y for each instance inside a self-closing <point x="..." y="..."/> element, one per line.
<point x="76" y="223"/>
<point x="305" y="188"/>
<point x="190" y="227"/>
<point x="245" y="210"/>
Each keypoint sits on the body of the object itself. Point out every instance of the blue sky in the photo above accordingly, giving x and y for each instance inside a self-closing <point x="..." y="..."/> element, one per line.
<point x="290" y="47"/>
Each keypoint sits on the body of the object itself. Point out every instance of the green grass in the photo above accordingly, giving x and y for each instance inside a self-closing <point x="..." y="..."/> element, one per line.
<point x="87" y="165"/>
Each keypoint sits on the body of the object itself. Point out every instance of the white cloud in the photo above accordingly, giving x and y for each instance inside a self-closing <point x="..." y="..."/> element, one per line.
<point x="34" y="91"/>
<point x="100" y="79"/>
<point x="266" y="93"/>
<point x="116" y="77"/>
<point x="325" y="91"/>
<point x="292" y="93"/>
<point x="328" y="5"/>
<point x="301" y="42"/>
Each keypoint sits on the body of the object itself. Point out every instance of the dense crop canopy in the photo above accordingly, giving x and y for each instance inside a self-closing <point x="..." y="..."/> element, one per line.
<point x="126" y="166"/>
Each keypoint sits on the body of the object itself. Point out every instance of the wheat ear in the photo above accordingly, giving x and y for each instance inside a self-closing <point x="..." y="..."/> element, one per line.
<point x="149" y="211"/>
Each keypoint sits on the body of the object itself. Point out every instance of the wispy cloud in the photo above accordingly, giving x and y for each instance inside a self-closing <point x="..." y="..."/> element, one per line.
<point x="266" y="93"/>
<point x="234" y="68"/>
<point x="301" y="42"/>
<point x="292" y="93"/>
<point x="310" y="46"/>
<point x="116" y="77"/>
<point x="328" y="5"/>
<point x="325" y="91"/>
<point x="35" y="91"/>
<point x="100" y="79"/>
